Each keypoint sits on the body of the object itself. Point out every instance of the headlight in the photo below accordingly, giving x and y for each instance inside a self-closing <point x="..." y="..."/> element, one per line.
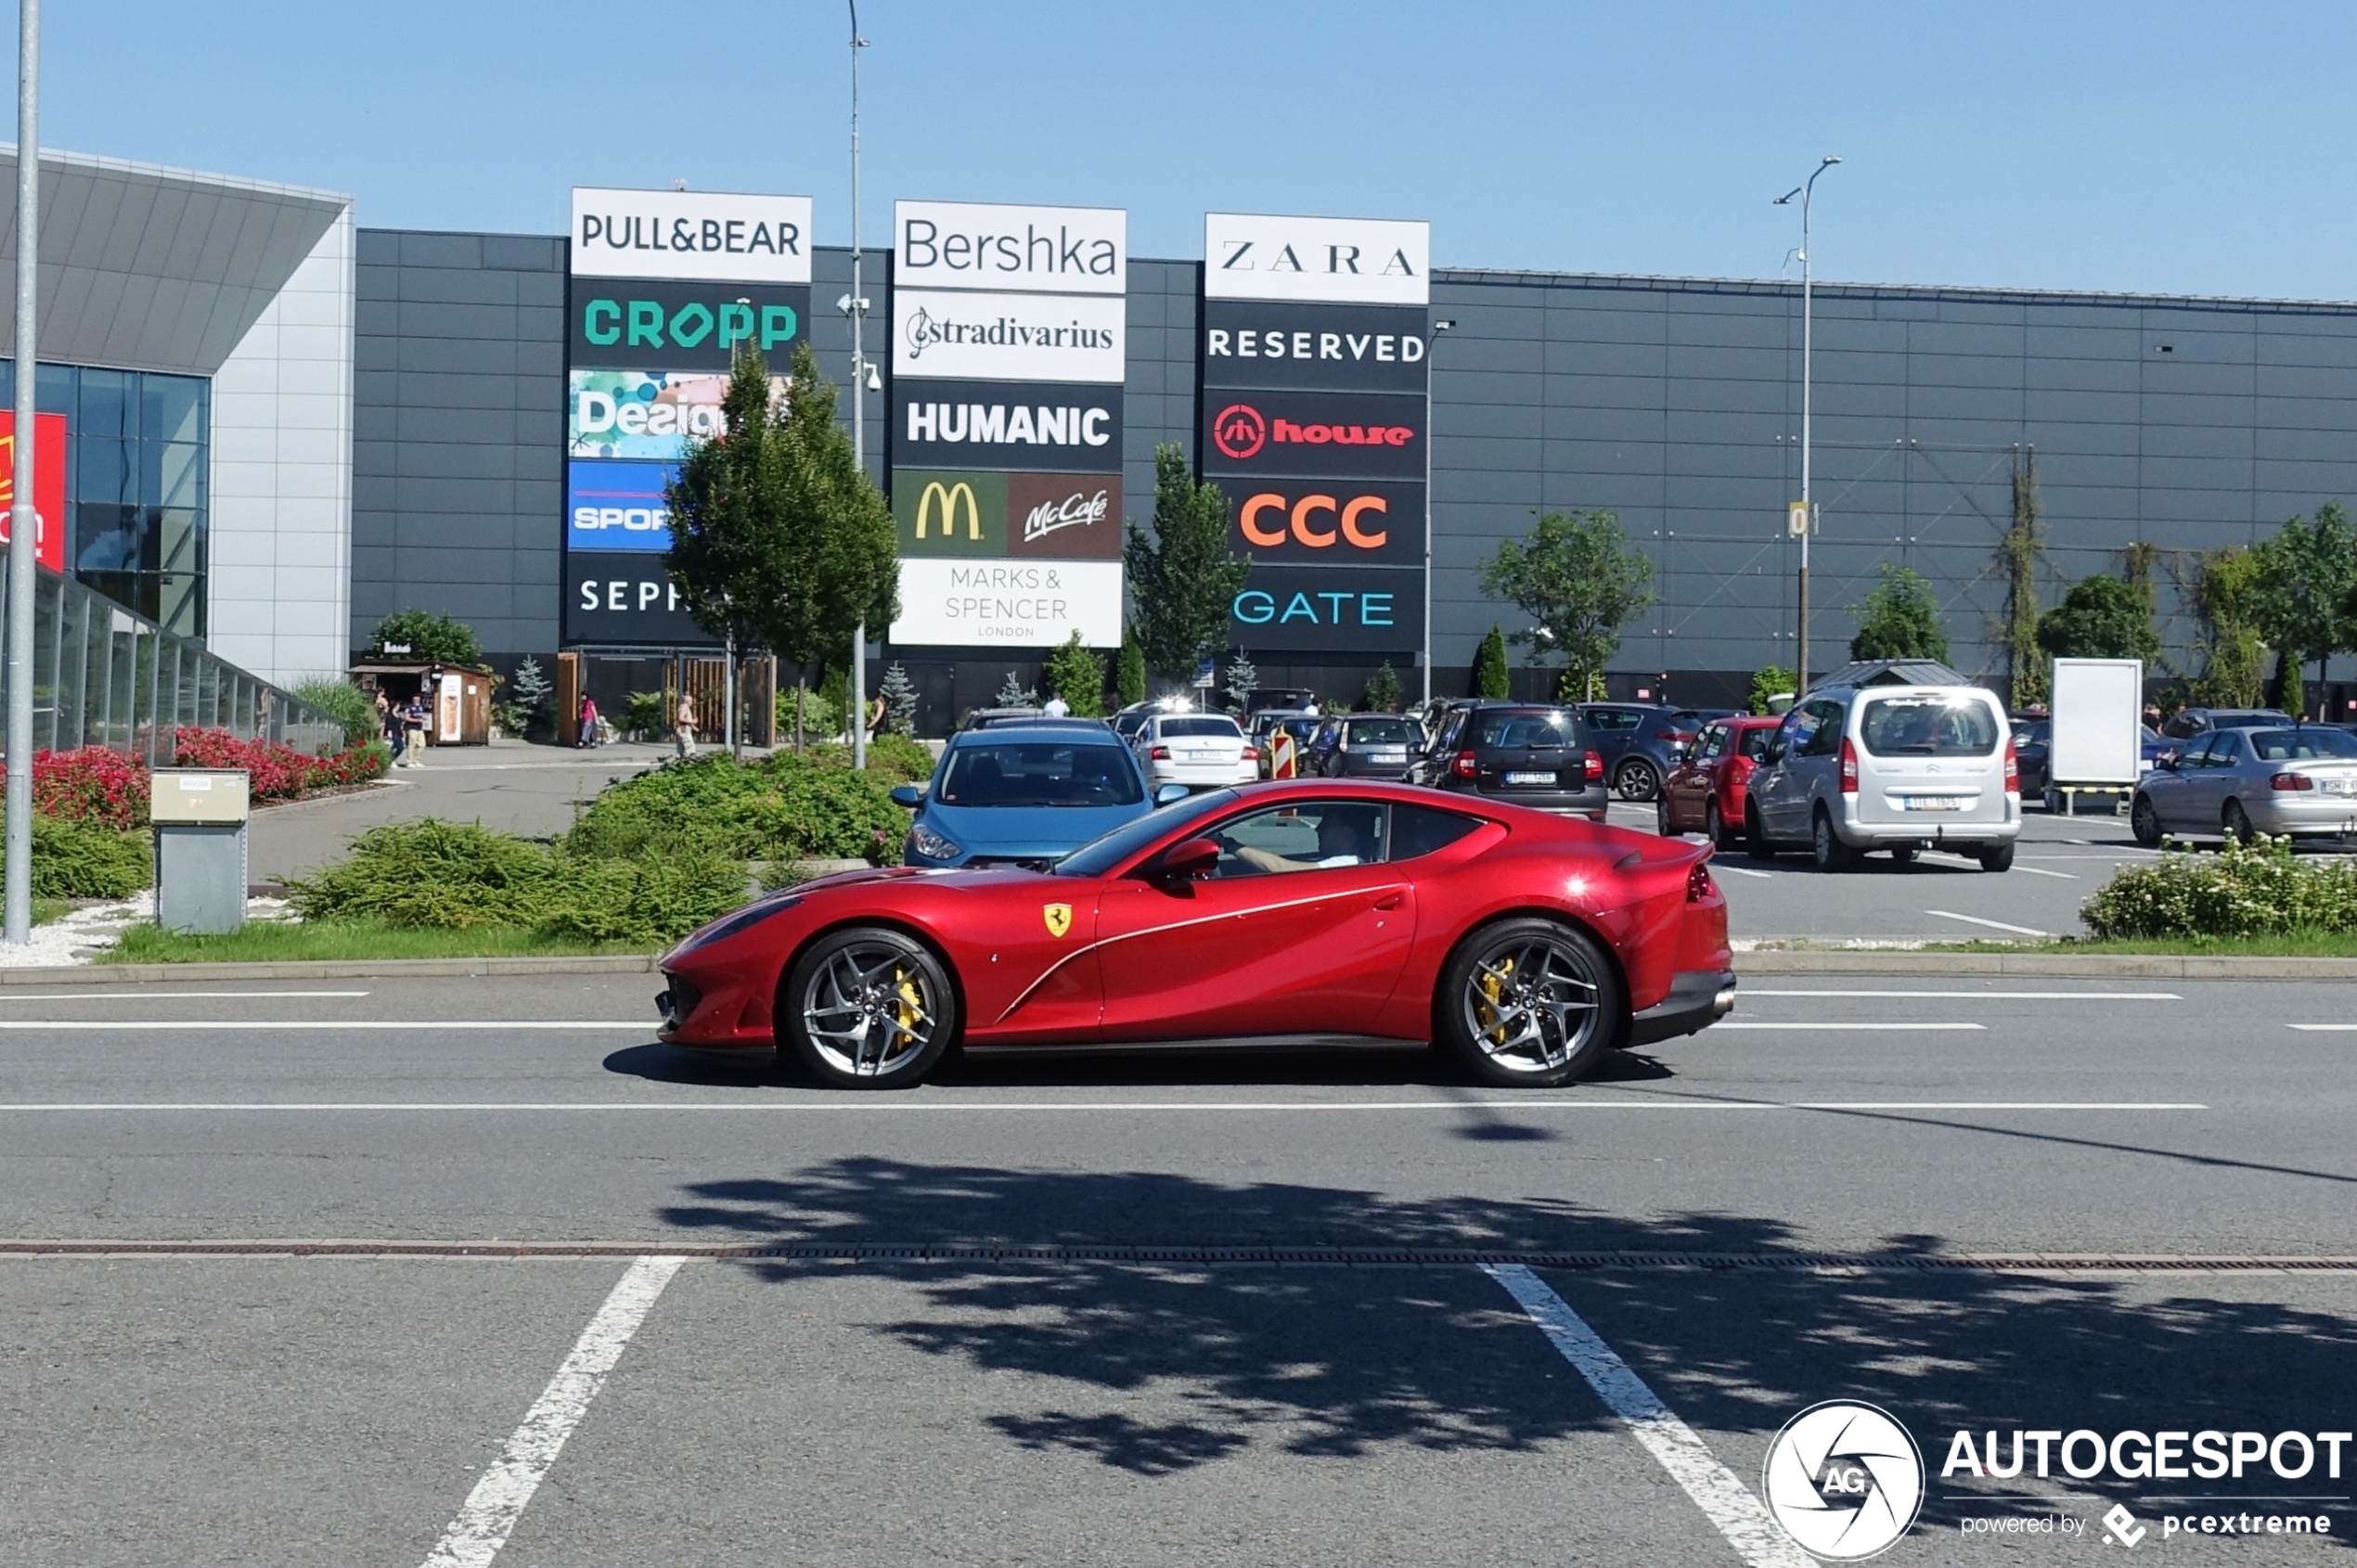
<point x="730" y="925"/>
<point x="932" y="845"/>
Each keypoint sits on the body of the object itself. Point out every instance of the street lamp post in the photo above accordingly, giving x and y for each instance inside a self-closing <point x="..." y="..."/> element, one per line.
<point x="1430" y="339"/>
<point x="1804" y="191"/>
<point x="858" y="308"/>
<point x="16" y="886"/>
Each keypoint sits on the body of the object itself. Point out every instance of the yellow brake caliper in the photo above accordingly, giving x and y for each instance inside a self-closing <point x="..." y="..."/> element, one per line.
<point x="1493" y="986"/>
<point x="909" y="1010"/>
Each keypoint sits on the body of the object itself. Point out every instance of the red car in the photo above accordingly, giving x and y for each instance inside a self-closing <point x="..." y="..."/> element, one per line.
<point x="1287" y="913"/>
<point x="1704" y="792"/>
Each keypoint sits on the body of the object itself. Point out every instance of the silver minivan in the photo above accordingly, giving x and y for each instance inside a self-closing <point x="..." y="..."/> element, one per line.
<point x="1896" y="767"/>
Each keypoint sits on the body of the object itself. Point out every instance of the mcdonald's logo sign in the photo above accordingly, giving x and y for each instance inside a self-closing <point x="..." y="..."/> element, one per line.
<point x="949" y="513"/>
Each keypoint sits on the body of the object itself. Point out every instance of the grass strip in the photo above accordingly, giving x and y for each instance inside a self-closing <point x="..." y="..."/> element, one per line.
<point x="2279" y="945"/>
<point x="288" y="942"/>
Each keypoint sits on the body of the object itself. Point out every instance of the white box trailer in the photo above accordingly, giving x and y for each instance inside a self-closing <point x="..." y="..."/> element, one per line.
<point x="2098" y="731"/>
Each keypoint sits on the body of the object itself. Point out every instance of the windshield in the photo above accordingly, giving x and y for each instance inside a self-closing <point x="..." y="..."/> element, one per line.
<point x="1949" y="724"/>
<point x="1535" y="727"/>
<point x="2304" y="745"/>
<point x="2245" y="721"/>
<point x="1039" y="773"/>
<point x="1096" y="859"/>
<point x="1380" y="732"/>
<point x="1225" y="729"/>
<point x="1753" y="742"/>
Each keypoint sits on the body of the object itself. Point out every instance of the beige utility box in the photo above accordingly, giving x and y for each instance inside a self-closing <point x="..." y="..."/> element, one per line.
<point x="196" y="797"/>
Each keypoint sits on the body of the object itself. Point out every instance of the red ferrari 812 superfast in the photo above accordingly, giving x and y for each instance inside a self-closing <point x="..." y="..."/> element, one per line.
<point x="1320" y="910"/>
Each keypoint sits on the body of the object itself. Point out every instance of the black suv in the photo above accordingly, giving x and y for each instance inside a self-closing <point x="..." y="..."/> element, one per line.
<point x="1532" y="753"/>
<point x="1364" y="746"/>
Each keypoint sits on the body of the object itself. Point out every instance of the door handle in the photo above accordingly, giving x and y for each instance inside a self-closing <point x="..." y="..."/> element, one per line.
<point x="1392" y="900"/>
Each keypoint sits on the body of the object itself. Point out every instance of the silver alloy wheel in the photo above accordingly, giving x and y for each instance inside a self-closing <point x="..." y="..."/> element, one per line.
<point x="1636" y="781"/>
<point x="1531" y="1004"/>
<point x="869" y="1009"/>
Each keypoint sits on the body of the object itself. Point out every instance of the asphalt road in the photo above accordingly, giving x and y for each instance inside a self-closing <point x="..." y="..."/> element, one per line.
<point x="1306" y="1364"/>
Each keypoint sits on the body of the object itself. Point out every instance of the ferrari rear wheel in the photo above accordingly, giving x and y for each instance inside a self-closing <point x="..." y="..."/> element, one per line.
<point x="1529" y="1001"/>
<point x="868" y="1009"/>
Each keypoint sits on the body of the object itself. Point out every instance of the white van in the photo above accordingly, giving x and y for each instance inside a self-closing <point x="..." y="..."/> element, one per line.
<point x="1896" y="767"/>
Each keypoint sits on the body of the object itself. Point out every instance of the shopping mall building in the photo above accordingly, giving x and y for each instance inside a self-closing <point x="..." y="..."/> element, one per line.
<point x="280" y="426"/>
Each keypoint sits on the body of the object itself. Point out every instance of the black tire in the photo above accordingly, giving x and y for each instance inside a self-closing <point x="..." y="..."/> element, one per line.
<point x="1661" y="816"/>
<point x="1755" y="843"/>
<point x="1529" y="1002"/>
<point x="855" y="985"/>
<point x="1903" y="854"/>
<point x="1636" y="780"/>
<point x="2236" y="823"/>
<point x="1714" y="826"/>
<point x="1825" y="846"/>
<point x="1997" y="857"/>
<point x="2143" y="821"/>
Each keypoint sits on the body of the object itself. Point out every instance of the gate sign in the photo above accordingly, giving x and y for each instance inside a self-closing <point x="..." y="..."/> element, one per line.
<point x="49" y="484"/>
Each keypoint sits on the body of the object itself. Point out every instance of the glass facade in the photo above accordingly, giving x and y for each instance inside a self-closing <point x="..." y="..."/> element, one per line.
<point x="137" y="461"/>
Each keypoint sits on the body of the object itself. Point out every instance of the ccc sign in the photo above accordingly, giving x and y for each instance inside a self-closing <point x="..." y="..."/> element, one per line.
<point x="1318" y="522"/>
<point x="1331" y="521"/>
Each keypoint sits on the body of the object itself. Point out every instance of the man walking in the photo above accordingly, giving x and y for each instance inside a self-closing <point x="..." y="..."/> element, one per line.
<point x="684" y="725"/>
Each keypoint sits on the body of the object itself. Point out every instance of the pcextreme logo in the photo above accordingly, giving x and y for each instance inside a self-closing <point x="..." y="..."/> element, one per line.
<point x="1240" y="431"/>
<point x="946" y="501"/>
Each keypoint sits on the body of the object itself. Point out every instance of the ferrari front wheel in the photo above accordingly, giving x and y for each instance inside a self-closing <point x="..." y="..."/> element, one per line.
<point x="868" y="1009"/>
<point x="1529" y="1001"/>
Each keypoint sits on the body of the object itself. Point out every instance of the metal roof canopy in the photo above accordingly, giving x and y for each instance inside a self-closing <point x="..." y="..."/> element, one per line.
<point x="1891" y="671"/>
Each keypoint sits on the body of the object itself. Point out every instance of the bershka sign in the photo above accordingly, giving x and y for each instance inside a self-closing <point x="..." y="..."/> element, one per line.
<point x="678" y="234"/>
<point x="1341" y="434"/>
<point x="1009" y="336"/>
<point x="972" y="424"/>
<point x="1363" y="261"/>
<point x="645" y="324"/>
<point x="1031" y="250"/>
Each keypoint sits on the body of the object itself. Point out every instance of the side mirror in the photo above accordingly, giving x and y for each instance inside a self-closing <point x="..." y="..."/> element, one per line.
<point x="1170" y="794"/>
<point x="2167" y="761"/>
<point x="1187" y="861"/>
<point x="911" y="795"/>
<point x="1774" y="753"/>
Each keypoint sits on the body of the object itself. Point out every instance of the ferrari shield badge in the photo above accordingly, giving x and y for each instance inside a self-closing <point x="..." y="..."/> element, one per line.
<point x="1059" y="919"/>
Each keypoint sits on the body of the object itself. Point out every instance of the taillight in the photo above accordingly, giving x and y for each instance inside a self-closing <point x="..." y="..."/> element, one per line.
<point x="2012" y="770"/>
<point x="1251" y="753"/>
<point x="1850" y="768"/>
<point x="1465" y="767"/>
<point x="1160" y="755"/>
<point x="1698" y="884"/>
<point x="2291" y="781"/>
<point x="1592" y="767"/>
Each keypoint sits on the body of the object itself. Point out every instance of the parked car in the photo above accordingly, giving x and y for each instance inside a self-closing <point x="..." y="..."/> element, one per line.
<point x="1364" y="746"/>
<point x="1023" y="795"/>
<point x="1129" y="721"/>
<point x="1200" y="751"/>
<point x="1641" y="742"/>
<point x="1300" y="728"/>
<point x="1526" y="947"/>
<point x="1527" y="753"/>
<point x="1292" y="699"/>
<point x="980" y="718"/>
<point x="1705" y="793"/>
<point x="2186" y="722"/>
<point x="1889" y="768"/>
<point x="2033" y="741"/>
<point x="2299" y="781"/>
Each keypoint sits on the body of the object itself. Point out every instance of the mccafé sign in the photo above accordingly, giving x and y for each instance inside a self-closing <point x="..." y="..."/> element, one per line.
<point x="984" y="512"/>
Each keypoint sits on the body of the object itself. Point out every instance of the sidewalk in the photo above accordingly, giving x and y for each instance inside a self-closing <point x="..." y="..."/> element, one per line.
<point x="508" y="785"/>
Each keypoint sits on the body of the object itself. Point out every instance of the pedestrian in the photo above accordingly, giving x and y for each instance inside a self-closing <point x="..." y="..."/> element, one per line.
<point x="387" y="729"/>
<point x="413" y="729"/>
<point x="588" y="729"/>
<point x="683" y="725"/>
<point x="1057" y="707"/>
<point x="877" y="711"/>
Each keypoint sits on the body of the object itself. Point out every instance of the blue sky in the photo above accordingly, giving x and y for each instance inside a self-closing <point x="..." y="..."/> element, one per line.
<point x="2079" y="145"/>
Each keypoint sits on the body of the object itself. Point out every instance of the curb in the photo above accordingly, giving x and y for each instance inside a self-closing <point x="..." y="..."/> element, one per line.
<point x="332" y="968"/>
<point x="2117" y="966"/>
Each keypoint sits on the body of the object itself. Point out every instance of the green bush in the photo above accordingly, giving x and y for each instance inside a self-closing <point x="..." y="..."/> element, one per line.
<point x="898" y="759"/>
<point x="77" y="858"/>
<point x="2243" y="890"/>
<point x="1767" y="684"/>
<point x="444" y="876"/>
<point x="818" y="716"/>
<point x="791" y="805"/>
<point x="642" y="713"/>
<point x="643" y="902"/>
<point x="429" y="635"/>
<point x="344" y="702"/>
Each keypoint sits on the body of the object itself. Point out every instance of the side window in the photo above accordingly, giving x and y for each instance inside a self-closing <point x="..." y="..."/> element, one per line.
<point x="2226" y="748"/>
<point x="1824" y="736"/>
<point x="1306" y="836"/>
<point x="2196" y="754"/>
<point x="1419" y="829"/>
<point x="1800" y="726"/>
<point x="1714" y="741"/>
<point x="1612" y="721"/>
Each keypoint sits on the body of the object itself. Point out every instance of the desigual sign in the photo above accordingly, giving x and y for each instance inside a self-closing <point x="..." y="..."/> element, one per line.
<point x="1313" y="433"/>
<point x="1310" y="521"/>
<point x="680" y="233"/>
<point x="1370" y="261"/>
<point x="960" y="424"/>
<point x="1032" y="249"/>
<point x="643" y="323"/>
<point x="945" y="334"/>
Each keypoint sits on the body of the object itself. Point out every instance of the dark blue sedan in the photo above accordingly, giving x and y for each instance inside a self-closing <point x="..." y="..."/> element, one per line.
<point x="1023" y="794"/>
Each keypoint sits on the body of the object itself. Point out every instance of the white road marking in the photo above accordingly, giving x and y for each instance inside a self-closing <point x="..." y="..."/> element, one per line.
<point x="862" y="1104"/>
<point x="318" y="1026"/>
<point x="1968" y="860"/>
<point x="1976" y="921"/>
<point x="1725" y="1500"/>
<point x="1987" y="996"/>
<point x="2325" y="1028"/>
<point x="1741" y="871"/>
<point x="491" y="1510"/>
<point x="1877" y="1028"/>
<point x="2040" y="872"/>
<point x="165" y="995"/>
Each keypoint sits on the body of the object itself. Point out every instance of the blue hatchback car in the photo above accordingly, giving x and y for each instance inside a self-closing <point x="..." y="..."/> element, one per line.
<point x="1025" y="794"/>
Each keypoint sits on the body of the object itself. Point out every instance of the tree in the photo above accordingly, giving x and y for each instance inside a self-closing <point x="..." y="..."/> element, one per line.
<point x="1129" y="672"/>
<point x="1383" y="689"/>
<point x="1492" y="677"/>
<point x="1013" y="693"/>
<point x="1077" y="675"/>
<point x="2100" y="618"/>
<point x="2226" y="596"/>
<point x="1578" y="580"/>
<point x="1767" y="683"/>
<point x="530" y="696"/>
<point x="2017" y="551"/>
<point x="2305" y="573"/>
<point x="429" y="636"/>
<point x="780" y="542"/>
<point x="1899" y="619"/>
<point x="1244" y="679"/>
<point x="899" y="694"/>
<point x="1183" y="578"/>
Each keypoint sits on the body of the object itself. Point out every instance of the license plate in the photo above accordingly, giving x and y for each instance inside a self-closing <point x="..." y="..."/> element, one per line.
<point x="2339" y="786"/>
<point x="1400" y="756"/>
<point x="1931" y="802"/>
<point x="1530" y="778"/>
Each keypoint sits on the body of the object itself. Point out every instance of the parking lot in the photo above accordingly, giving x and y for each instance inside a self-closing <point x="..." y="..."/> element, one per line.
<point x="1161" y="1308"/>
